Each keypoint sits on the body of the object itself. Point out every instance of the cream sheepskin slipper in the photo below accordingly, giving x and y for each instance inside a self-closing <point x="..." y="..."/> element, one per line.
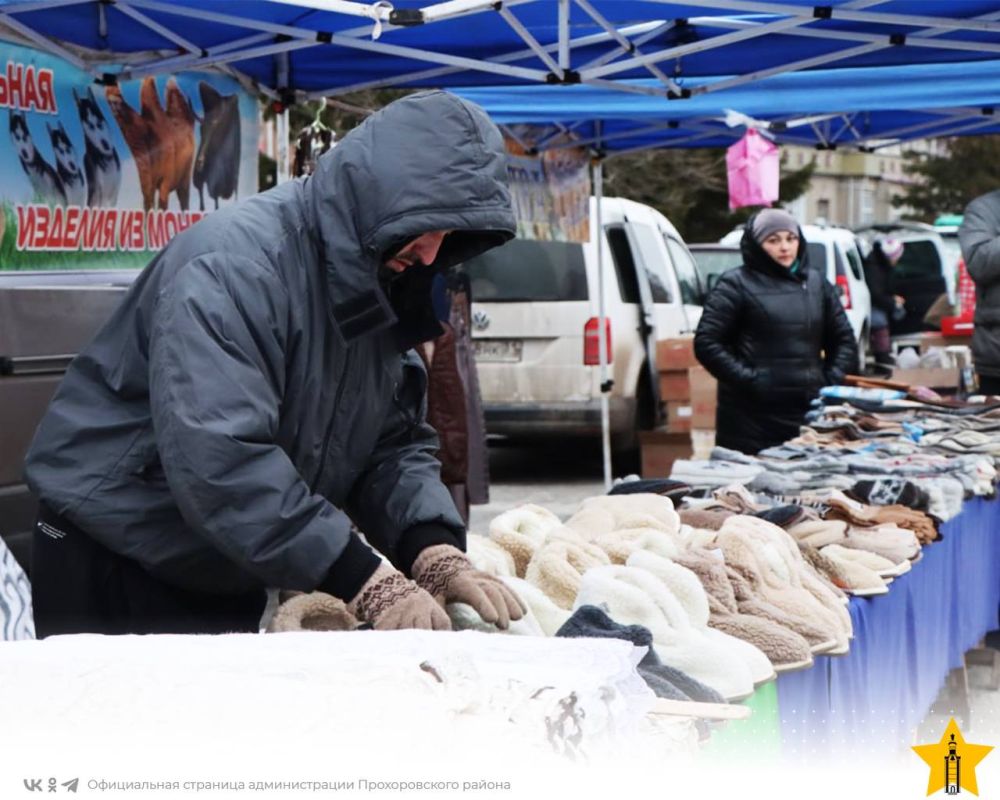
<point x="762" y="563"/>
<point x="801" y="573"/>
<point x="557" y="566"/>
<point x="862" y="580"/>
<point x="521" y="531"/>
<point x="317" y="611"/>
<point x="750" y="603"/>
<point x="633" y="511"/>
<point x="819" y="532"/>
<point x="622" y="543"/>
<point x="880" y="565"/>
<point x="489" y="557"/>
<point x="546" y="614"/>
<point x="634" y="597"/>
<point x="692" y="601"/>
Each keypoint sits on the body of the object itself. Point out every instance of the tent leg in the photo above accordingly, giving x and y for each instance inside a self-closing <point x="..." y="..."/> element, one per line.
<point x="602" y="347"/>
<point x="284" y="165"/>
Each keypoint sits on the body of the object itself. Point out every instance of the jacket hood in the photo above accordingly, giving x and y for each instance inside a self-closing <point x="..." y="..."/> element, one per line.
<point x="755" y="257"/>
<point x="428" y="162"/>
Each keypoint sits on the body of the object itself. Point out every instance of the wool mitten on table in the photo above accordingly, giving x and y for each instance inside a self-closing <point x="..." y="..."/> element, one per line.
<point x="389" y="601"/>
<point x="446" y="573"/>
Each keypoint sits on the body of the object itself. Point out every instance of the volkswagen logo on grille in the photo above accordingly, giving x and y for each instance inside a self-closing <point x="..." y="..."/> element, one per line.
<point x="480" y="321"/>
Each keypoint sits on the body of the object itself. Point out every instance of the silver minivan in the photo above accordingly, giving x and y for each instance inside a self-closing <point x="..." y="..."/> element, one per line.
<point x="535" y="325"/>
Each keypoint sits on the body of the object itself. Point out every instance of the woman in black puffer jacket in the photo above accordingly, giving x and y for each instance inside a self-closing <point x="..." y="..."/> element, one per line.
<point x="773" y="332"/>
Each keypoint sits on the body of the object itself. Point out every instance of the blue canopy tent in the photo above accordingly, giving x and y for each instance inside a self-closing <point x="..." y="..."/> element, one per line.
<point x="863" y="107"/>
<point x="323" y="47"/>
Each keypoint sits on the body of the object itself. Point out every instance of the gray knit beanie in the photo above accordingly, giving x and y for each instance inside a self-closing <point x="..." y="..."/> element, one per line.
<point x="772" y="220"/>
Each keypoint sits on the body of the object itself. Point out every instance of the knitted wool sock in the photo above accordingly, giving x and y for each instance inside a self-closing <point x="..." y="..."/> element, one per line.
<point x="888" y="492"/>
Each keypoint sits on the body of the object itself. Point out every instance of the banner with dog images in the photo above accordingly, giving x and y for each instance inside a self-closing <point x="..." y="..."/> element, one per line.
<point x="95" y="176"/>
<point x="550" y="189"/>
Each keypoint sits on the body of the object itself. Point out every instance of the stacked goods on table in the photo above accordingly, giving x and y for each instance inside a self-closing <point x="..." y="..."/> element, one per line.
<point x="938" y="365"/>
<point x="866" y="484"/>
<point x="688" y="393"/>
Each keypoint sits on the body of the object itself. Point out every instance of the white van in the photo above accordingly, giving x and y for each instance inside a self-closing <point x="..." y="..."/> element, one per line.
<point x="535" y="325"/>
<point x="836" y="251"/>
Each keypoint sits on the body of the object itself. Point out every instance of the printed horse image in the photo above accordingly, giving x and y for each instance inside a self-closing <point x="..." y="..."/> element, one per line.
<point x="44" y="180"/>
<point x="101" y="164"/>
<point x="161" y="141"/>
<point x="217" y="166"/>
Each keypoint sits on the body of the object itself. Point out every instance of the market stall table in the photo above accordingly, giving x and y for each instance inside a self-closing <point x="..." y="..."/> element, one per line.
<point x="871" y="700"/>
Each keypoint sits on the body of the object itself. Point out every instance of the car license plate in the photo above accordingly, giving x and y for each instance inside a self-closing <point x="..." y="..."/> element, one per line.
<point x="502" y="350"/>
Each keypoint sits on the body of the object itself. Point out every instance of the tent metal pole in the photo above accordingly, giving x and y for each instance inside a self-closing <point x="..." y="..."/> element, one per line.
<point x="176" y="62"/>
<point x="371" y="10"/>
<point x="454" y="8"/>
<point x="921" y="38"/>
<point x="563" y="36"/>
<point x="627" y="45"/>
<point x="531" y="41"/>
<point x="156" y="27"/>
<point x="440" y="72"/>
<point x="924" y="38"/>
<point x="602" y="340"/>
<point x="284" y="167"/>
<point x="695" y="47"/>
<point x="43" y="42"/>
<point x="639" y="40"/>
<point x="792" y="66"/>
<point x="227" y="58"/>
<point x="852" y="15"/>
<point x="34" y="5"/>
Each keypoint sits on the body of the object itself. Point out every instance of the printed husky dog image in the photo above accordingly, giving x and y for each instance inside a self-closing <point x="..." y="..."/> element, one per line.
<point x="161" y="141"/>
<point x="44" y="180"/>
<point x="217" y="166"/>
<point x="68" y="166"/>
<point x="100" y="159"/>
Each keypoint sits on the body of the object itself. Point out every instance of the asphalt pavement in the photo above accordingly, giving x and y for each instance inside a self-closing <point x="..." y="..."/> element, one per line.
<point x="556" y="475"/>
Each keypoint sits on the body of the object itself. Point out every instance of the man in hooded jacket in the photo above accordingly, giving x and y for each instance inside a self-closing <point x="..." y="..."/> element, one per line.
<point x="255" y="395"/>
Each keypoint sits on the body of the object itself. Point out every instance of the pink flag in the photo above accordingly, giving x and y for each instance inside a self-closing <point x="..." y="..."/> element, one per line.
<point x="752" y="166"/>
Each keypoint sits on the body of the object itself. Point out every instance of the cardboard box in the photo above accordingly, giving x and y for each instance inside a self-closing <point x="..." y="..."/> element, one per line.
<point x="660" y="450"/>
<point x="674" y="386"/>
<point x="934" y="378"/>
<point x="678" y="417"/>
<point x="932" y="339"/>
<point x="675" y="354"/>
<point x="704" y="398"/>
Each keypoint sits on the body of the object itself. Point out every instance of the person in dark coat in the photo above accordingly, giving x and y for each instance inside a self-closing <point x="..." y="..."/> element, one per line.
<point x="979" y="236"/>
<point x="256" y="396"/>
<point x="773" y="332"/>
<point x="886" y="306"/>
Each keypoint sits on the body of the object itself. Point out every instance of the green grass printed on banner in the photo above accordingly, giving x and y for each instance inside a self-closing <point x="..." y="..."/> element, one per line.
<point x="11" y="259"/>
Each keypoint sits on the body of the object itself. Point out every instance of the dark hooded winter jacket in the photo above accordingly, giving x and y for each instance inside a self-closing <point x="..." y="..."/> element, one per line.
<point x="979" y="236"/>
<point x="772" y="338"/>
<point x="254" y="393"/>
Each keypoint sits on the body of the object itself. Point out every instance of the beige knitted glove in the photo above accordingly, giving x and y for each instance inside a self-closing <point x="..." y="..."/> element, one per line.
<point x="445" y="572"/>
<point x="388" y="601"/>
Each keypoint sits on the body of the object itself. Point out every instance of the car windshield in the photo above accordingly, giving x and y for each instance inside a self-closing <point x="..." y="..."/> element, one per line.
<point x="526" y="270"/>
<point x="712" y="263"/>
